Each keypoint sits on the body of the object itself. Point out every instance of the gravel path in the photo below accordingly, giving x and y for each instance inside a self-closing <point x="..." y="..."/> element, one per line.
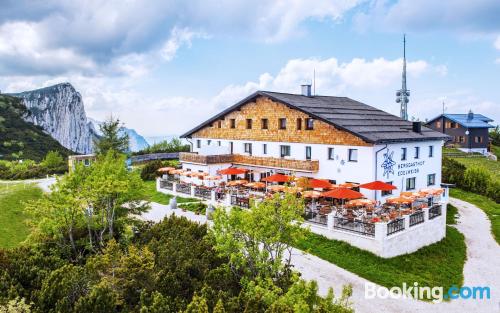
<point x="482" y="267"/>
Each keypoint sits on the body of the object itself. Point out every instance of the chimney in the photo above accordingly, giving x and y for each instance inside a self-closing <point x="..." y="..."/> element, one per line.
<point x="417" y="127"/>
<point x="470" y="115"/>
<point x="306" y="90"/>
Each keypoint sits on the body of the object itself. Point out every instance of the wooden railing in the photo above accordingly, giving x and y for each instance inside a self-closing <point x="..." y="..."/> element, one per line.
<point x="239" y="159"/>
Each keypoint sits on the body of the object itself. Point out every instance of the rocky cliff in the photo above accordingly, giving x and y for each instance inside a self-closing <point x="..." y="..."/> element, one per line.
<point x="60" y="112"/>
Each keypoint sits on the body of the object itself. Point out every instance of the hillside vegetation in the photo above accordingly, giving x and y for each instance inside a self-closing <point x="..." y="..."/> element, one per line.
<point x="20" y="139"/>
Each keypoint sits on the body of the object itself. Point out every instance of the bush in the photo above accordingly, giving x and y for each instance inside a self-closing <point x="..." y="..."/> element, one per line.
<point x="493" y="191"/>
<point x="453" y="172"/>
<point x="476" y="179"/>
<point x="196" y="207"/>
<point x="150" y="169"/>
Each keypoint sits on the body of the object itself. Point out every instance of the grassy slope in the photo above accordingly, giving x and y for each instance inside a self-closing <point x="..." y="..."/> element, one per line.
<point x="492" y="166"/>
<point x="12" y="218"/>
<point x="490" y="207"/>
<point x="18" y="135"/>
<point x="155" y="196"/>
<point x="496" y="151"/>
<point x="440" y="264"/>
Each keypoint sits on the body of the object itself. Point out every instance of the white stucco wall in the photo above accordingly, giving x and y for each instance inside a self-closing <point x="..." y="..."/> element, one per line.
<point x="411" y="167"/>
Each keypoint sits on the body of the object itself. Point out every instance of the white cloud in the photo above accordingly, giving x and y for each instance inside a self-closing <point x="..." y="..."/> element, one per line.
<point x="332" y="77"/>
<point x="23" y="49"/>
<point x="178" y="37"/>
<point x="463" y="16"/>
<point x="497" y="43"/>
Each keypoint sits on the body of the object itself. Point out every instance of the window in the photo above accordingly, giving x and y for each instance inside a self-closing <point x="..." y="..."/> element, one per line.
<point x="282" y="123"/>
<point x="431" y="179"/>
<point x="353" y="155"/>
<point x="387" y="192"/>
<point x="264" y="123"/>
<point x="447" y="125"/>
<point x="218" y="143"/>
<point x="438" y="124"/>
<point x="299" y="124"/>
<point x="403" y="154"/>
<point x="284" y="151"/>
<point x="461" y="139"/>
<point x="331" y="155"/>
<point x="219" y="124"/>
<point x="232" y="123"/>
<point x="410" y="183"/>
<point x="309" y="124"/>
<point x="453" y="125"/>
<point x="209" y="142"/>
<point x="231" y="147"/>
<point x="249" y="123"/>
<point x="478" y="139"/>
<point x="308" y="153"/>
<point x="417" y="152"/>
<point x="198" y="143"/>
<point x="86" y="162"/>
<point x="431" y="151"/>
<point x="248" y="148"/>
<point x="264" y="148"/>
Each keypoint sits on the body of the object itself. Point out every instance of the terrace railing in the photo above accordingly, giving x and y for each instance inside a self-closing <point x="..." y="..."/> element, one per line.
<point x="395" y="226"/>
<point x="166" y="184"/>
<point x="183" y="188"/>
<point x="315" y="217"/>
<point x="416" y="218"/>
<point x="359" y="227"/>
<point x="434" y="211"/>
<point x="240" y="201"/>
<point x="204" y="193"/>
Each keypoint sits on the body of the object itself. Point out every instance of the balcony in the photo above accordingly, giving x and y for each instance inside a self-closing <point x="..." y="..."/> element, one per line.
<point x="239" y="159"/>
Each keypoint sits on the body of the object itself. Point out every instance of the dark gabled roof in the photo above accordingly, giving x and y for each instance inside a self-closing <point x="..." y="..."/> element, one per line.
<point x="369" y="123"/>
<point x="469" y="121"/>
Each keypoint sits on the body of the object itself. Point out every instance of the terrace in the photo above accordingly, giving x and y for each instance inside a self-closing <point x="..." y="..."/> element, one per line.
<point x="239" y="159"/>
<point x="401" y="225"/>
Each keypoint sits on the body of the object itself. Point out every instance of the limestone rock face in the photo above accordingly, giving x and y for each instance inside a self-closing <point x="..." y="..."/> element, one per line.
<point x="60" y="112"/>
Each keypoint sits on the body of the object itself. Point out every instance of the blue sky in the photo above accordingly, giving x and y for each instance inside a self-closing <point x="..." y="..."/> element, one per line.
<point x="164" y="66"/>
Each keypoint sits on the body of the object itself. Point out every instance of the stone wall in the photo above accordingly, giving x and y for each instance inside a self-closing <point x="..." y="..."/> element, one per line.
<point x="264" y="108"/>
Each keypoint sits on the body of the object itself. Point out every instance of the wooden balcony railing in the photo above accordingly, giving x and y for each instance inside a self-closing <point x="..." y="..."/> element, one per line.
<point x="239" y="159"/>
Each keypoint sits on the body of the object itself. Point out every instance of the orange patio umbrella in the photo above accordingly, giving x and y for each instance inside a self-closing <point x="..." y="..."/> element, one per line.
<point x="232" y="171"/>
<point x="378" y="185"/>
<point x="165" y="169"/>
<point x="361" y="202"/>
<point x="348" y="185"/>
<point x="342" y="193"/>
<point x="311" y="194"/>
<point x="179" y="171"/>
<point x="432" y="191"/>
<point x="276" y="188"/>
<point x="256" y="185"/>
<point x="212" y="177"/>
<point x="277" y="178"/>
<point x="399" y="200"/>
<point x="319" y="183"/>
<point x="237" y="182"/>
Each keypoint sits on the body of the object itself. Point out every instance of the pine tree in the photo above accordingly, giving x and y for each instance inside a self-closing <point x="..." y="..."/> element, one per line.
<point x="112" y="138"/>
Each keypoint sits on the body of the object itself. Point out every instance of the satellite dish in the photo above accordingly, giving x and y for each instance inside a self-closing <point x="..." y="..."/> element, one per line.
<point x="398" y="100"/>
<point x="408" y="93"/>
<point x="398" y="93"/>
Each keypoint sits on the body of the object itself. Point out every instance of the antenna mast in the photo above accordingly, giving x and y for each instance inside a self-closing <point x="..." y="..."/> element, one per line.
<point x="402" y="95"/>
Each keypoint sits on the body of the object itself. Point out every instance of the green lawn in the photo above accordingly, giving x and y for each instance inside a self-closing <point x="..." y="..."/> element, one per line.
<point x="12" y="218"/>
<point x="440" y="264"/>
<point x="155" y="196"/>
<point x="451" y="215"/>
<point x="490" y="207"/>
<point x="496" y="151"/>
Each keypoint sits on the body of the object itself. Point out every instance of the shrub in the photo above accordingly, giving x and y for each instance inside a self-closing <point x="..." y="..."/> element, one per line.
<point x="476" y="179"/>
<point x="493" y="191"/>
<point x="149" y="170"/>
<point x="453" y="172"/>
